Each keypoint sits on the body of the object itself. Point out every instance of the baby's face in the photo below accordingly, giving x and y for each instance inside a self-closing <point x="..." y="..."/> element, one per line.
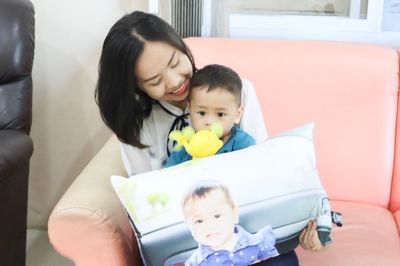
<point x="211" y="219"/>
<point x="218" y="105"/>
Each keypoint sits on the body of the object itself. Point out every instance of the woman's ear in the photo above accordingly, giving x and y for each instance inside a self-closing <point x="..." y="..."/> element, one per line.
<point x="239" y="114"/>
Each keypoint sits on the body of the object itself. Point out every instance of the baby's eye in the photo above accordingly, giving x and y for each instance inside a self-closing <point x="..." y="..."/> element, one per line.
<point x="198" y="221"/>
<point x="221" y="114"/>
<point x="217" y="215"/>
<point x="201" y="113"/>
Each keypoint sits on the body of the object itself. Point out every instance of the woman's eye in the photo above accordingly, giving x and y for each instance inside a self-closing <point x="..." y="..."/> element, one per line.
<point x="155" y="83"/>
<point x="221" y="114"/>
<point x="217" y="215"/>
<point x="199" y="221"/>
<point x="175" y="64"/>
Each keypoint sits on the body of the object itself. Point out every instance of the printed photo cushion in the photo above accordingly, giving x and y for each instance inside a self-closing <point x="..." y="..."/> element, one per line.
<point x="279" y="167"/>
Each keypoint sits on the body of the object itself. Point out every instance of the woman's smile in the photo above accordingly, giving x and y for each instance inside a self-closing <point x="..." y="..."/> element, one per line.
<point x="181" y="89"/>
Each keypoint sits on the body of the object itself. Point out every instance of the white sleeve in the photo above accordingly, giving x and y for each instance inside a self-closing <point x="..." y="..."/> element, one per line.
<point x="135" y="160"/>
<point x="154" y="134"/>
<point x="252" y="118"/>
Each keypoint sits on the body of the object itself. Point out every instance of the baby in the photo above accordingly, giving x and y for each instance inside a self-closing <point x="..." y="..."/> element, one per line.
<point x="215" y="97"/>
<point x="213" y="219"/>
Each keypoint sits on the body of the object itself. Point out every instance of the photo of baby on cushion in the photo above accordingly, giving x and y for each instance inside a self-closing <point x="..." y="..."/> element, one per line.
<point x="212" y="218"/>
<point x="215" y="97"/>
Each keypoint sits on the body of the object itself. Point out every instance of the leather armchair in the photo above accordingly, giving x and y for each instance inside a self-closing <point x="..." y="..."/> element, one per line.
<point x="16" y="146"/>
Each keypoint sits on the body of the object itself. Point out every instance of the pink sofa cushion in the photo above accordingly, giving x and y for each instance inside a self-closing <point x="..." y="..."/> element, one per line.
<point x="369" y="237"/>
<point x="354" y="111"/>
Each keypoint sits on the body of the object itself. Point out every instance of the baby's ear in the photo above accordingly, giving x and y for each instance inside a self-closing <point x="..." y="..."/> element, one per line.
<point x="239" y="114"/>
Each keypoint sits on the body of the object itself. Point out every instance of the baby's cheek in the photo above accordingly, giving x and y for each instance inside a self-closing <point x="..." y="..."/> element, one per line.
<point x="198" y="124"/>
<point x="227" y="131"/>
<point x="198" y="237"/>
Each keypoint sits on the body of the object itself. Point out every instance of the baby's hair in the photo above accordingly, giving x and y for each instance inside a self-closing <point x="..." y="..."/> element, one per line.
<point x="201" y="188"/>
<point x="217" y="76"/>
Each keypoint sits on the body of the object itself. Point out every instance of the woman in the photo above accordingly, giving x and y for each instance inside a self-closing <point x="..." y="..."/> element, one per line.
<point x="144" y="71"/>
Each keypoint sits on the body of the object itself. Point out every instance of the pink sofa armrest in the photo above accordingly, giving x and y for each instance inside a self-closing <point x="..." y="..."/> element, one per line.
<point x="88" y="224"/>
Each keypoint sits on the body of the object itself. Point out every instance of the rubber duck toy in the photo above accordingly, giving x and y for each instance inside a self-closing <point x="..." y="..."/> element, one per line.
<point x="198" y="144"/>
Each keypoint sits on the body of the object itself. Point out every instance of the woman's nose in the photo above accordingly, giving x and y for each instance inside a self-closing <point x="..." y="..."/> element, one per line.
<point x="173" y="80"/>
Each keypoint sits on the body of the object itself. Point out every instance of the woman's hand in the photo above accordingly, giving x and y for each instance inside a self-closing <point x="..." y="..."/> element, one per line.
<point x="309" y="237"/>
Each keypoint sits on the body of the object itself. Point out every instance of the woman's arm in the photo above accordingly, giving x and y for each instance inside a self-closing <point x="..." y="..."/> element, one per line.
<point x="252" y="118"/>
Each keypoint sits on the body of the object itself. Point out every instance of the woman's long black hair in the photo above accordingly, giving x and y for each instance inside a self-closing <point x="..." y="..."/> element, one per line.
<point x="123" y="106"/>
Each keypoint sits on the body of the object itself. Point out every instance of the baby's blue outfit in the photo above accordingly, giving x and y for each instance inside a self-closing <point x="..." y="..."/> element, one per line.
<point x="237" y="140"/>
<point x="249" y="249"/>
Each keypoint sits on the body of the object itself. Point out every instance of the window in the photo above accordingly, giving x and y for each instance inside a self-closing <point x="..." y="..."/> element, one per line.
<point x="306" y="16"/>
<point x="371" y="21"/>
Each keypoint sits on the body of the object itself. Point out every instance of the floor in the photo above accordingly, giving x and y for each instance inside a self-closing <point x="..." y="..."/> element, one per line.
<point x="39" y="251"/>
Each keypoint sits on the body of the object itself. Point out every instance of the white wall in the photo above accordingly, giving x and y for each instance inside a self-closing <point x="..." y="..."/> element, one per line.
<point x="67" y="130"/>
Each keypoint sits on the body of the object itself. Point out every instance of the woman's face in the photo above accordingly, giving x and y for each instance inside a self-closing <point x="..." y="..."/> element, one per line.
<point x="163" y="72"/>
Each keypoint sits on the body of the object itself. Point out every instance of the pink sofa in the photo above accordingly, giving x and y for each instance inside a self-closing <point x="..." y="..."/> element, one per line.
<point x="351" y="93"/>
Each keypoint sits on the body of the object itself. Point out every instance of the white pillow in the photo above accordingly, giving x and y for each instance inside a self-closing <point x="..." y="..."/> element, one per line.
<point x="279" y="165"/>
<point x="274" y="182"/>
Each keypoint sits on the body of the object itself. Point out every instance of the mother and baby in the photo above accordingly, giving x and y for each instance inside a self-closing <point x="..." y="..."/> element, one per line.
<point x="146" y="75"/>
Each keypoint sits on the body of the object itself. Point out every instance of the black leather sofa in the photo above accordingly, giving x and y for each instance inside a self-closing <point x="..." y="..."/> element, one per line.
<point x="17" y="27"/>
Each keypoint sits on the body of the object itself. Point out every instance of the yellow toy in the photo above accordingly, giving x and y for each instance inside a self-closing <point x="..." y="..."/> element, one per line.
<point x="199" y="144"/>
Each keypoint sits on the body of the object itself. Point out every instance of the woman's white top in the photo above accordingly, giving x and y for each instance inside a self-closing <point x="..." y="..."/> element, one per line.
<point x="157" y="127"/>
